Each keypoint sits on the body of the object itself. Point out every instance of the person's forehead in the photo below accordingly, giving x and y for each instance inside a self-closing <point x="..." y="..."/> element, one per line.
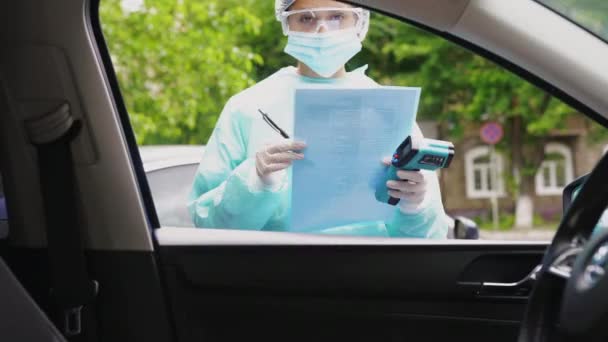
<point x="304" y="4"/>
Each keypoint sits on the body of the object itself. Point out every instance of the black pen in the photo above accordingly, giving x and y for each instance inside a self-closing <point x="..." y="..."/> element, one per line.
<point x="273" y="125"/>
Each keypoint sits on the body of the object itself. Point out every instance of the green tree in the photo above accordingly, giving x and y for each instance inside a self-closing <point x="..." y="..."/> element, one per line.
<point x="178" y="61"/>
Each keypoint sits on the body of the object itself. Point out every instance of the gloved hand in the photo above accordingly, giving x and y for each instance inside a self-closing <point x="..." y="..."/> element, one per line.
<point x="272" y="160"/>
<point x="411" y="189"/>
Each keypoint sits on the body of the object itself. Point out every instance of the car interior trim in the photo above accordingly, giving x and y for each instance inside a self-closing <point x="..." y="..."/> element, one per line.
<point x="173" y="236"/>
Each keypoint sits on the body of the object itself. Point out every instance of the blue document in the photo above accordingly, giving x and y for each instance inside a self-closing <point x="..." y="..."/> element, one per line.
<point x="348" y="132"/>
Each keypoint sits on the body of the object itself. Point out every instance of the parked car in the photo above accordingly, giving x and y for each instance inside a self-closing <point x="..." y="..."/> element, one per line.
<point x="170" y="172"/>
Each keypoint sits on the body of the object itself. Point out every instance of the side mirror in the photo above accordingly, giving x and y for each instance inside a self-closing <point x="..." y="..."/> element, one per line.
<point x="571" y="190"/>
<point x="465" y="229"/>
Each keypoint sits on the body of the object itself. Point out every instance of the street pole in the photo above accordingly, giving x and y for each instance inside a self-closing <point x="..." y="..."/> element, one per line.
<point x="494" y="188"/>
<point x="491" y="133"/>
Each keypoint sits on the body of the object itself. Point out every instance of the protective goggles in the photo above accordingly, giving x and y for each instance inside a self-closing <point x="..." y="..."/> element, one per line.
<point x="312" y="19"/>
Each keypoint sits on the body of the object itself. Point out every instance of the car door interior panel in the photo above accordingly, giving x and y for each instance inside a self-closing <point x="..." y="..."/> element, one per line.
<point x="354" y="292"/>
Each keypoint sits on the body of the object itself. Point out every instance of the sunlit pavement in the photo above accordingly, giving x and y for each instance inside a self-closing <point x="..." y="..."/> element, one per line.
<point x="518" y="234"/>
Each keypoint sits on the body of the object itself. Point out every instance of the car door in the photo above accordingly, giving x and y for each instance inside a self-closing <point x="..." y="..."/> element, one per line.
<point x="324" y="289"/>
<point x="229" y="285"/>
<point x="174" y="283"/>
<point x="240" y="284"/>
<point x="232" y="284"/>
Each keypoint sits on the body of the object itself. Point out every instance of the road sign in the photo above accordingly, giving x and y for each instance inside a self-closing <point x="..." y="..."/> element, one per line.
<point x="491" y="133"/>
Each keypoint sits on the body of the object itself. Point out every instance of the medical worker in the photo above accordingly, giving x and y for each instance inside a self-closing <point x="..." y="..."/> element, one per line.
<point x="243" y="180"/>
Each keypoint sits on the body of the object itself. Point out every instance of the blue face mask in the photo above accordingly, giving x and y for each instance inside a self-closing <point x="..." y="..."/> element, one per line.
<point x="325" y="53"/>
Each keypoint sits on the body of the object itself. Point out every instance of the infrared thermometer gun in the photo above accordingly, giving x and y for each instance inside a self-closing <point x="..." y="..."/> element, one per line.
<point x="415" y="155"/>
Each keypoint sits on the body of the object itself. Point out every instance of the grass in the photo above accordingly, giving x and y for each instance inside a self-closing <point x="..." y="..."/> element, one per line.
<point x="506" y="222"/>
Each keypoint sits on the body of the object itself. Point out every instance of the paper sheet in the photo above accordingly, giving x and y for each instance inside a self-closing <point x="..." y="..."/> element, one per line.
<point x="347" y="131"/>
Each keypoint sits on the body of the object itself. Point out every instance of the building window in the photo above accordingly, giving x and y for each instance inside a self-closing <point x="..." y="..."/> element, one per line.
<point x="556" y="171"/>
<point x="480" y="181"/>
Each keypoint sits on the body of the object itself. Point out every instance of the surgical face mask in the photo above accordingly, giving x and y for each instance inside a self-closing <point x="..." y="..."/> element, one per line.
<point x="325" y="53"/>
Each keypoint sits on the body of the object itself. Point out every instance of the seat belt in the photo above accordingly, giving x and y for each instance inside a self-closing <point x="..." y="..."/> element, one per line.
<point x="72" y="290"/>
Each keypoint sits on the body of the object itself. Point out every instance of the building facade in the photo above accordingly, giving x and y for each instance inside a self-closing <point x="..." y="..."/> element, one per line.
<point x="478" y="172"/>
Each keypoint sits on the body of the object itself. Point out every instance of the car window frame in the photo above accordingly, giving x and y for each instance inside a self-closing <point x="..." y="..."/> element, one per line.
<point x="96" y="28"/>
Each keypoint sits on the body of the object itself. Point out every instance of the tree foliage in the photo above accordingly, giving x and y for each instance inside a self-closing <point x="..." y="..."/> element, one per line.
<point x="178" y="61"/>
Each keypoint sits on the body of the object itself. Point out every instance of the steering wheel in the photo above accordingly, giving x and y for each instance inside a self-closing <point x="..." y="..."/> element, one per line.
<point x="569" y="301"/>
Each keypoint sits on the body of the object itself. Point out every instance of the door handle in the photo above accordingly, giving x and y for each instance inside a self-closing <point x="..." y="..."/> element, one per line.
<point x="531" y="277"/>
<point x="520" y="288"/>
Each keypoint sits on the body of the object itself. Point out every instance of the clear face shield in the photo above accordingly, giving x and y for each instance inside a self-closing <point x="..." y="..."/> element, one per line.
<point x="312" y="20"/>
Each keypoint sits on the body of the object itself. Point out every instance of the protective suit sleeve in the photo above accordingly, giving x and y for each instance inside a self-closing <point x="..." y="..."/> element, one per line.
<point x="428" y="221"/>
<point x="227" y="193"/>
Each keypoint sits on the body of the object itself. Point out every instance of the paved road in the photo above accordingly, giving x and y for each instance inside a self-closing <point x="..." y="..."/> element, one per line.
<point x="518" y="234"/>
